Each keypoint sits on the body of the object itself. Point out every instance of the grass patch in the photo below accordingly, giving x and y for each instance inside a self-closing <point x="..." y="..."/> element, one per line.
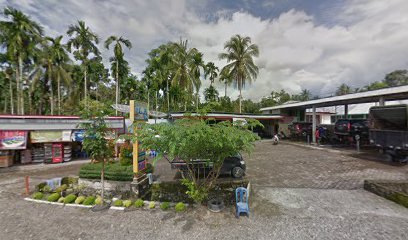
<point x="113" y="171"/>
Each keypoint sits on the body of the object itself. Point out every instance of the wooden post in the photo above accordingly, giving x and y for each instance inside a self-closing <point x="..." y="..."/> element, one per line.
<point x="135" y="145"/>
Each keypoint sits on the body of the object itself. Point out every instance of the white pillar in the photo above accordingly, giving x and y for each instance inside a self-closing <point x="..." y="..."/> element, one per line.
<point x="381" y="101"/>
<point x="314" y="125"/>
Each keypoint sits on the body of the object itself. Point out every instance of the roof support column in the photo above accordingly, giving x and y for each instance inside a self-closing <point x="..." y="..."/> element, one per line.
<point x="346" y="115"/>
<point x="314" y="125"/>
<point x="381" y="101"/>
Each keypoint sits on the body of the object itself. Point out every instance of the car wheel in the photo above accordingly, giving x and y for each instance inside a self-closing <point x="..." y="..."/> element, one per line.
<point x="237" y="172"/>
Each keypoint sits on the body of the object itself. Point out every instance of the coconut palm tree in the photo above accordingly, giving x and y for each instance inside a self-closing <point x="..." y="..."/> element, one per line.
<point x="187" y="64"/>
<point x="19" y="36"/>
<point x="118" y="53"/>
<point x="226" y="78"/>
<point x="211" y="71"/>
<point x="343" y="89"/>
<point x="240" y="64"/>
<point x="85" y="42"/>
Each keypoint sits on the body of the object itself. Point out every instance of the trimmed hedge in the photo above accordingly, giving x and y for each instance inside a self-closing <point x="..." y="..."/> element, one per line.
<point x="70" y="198"/>
<point x="118" y="203"/>
<point x="180" y="207"/>
<point x="164" y="206"/>
<point x="139" y="203"/>
<point x="113" y="171"/>
<point x="89" y="201"/>
<point x="53" y="197"/>
<point x="38" y="195"/>
<point x="127" y="203"/>
<point x="80" y="200"/>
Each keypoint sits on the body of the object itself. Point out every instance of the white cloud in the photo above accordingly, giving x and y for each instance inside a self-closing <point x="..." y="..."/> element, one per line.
<point x="365" y="40"/>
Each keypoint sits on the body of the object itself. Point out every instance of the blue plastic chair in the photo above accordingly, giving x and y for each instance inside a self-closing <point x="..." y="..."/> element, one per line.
<point x="241" y="197"/>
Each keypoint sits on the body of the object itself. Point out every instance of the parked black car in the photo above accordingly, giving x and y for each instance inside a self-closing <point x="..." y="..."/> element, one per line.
<point x="348" y="129"/>
<point x="234" y="166"/>
<point x="300" y="129"/>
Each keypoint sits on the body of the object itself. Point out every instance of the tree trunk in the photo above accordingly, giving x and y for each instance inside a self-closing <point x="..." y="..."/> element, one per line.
<point x="11" y="95"/>
<point x="225" y="89"/>
<point x="197" y="101"/>
<point x="103" y="180"/>
<point x="21" y="97"/>
<point x="240" y="96"/>
<point x="51" y="89"/>
<point x="59" y="93"/>
<point x="168" y="95"/>
<point x="86" y="89"/>
<point x="117" y="86"/>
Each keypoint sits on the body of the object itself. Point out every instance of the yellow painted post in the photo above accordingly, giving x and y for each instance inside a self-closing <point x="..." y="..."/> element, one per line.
<point x="136" y="144"/>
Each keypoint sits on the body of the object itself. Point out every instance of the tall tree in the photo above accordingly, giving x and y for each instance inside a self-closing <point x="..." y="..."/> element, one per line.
<point x="226" y="78"/>
<point x="85" y="42"/>
<point x="343" y="89"/>
<point x="240" y="64"/>
<point x="118" y="55"/>
<point x="19" y="36"/>
<point x="396" y="78"/>
<point x="211" y="71"/>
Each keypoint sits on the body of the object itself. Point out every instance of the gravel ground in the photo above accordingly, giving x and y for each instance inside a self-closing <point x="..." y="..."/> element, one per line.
<point x="290" y="200"/>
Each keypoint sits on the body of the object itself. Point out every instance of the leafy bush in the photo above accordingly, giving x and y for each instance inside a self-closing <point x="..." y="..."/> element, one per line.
<point x="152" y="205"/>
<point x="53" y="197"/>
<point x="90" y="200"/>
<point x="126" y="157"/>
<point x="80" y="200"/>
<point x="46" y="189"/>
<point x="61" y="199"/>
<point x="113" y="171"/>
<point x="180" y="207"/>
<point x="196" y="192"/>
<point x="139" y="203"/>
<point x="127" y="203"/>
<point x="118" y="203"/>
<point x="61" y="188"/>
<point x="149" y="168"/>
<point x="164" y="206"/>
<point x="69" y="180"/>
<point x="38" y="195"/>
<point x="70" y="198"/>
<point x="98" y="200"/>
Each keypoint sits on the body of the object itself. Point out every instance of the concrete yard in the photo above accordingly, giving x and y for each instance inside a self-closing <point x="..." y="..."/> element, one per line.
<point x="298" y="193"/>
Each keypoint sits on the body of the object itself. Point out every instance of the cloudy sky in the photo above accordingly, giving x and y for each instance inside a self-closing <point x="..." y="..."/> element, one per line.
<point x="313" y="44"/>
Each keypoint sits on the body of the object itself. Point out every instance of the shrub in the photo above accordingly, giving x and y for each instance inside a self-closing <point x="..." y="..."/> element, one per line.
<point x="80" y="200"/>
<point x="53" y="197"/>
<point x="46" y="189"/>
<point x="126" y="157"/>
<point x="38" y="195"/>
<point x="113" y="171"/>
<point x="61" y="199"/>
<point x="90" y="200"/>
<point x="180" y="207"/>
<point x="61" y="188"/>
<point x="70" y="198"/>
<point x="152" y="205"/>
<point x="149" y="168"/>
<point x="98" y="200"/>
<point x="127" y="203"/>
<point x="164" y="206"/>
<point x="69" y="180"/>
<point x="118" y="203"/>
<point x="139" y="203"/>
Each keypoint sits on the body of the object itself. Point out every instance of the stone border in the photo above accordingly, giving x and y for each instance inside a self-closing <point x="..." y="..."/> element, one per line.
<point x="380" y="188"/>
<point x="146" y="204"/>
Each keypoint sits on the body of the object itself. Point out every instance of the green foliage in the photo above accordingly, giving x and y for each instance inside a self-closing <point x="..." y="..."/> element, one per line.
<point x="126" y="151"/>
<point x="61" y="199"/>
<point x="113" y="171"/>
<point x="139" y="203"/>
<point x="70" y="198"/>
<point x="80" y="199"/>
<point x="90" y="200"/>
<point x="152" y="205"/>
<point x="98" y="200"/>
<point x="46" y="189"/>
<point x="127" y="203"/>
<point x="53" y="197"/>
<point x="61" y="188"/>
<point x="196" y="192"/>
<point x="191" y="139"/>
<point x="38" y="195"/>
<point x="118" y="203"/>
<point x="149" y="168"/>
<point x="164" y="206"/>
<point x="180" y="207"/>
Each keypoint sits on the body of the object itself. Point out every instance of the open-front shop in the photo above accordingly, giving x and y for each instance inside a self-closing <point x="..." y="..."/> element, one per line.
<point x="44" y="139"/>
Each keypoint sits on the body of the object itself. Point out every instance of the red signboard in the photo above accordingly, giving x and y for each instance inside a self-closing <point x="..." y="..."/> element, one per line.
<point x="11" y="140"/>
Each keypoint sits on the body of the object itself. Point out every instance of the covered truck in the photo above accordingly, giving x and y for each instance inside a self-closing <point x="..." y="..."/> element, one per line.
<point x="389" y="130"/>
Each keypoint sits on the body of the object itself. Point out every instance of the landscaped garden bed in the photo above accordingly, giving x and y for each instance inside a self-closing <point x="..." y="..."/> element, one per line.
<point x="392" y="190"/>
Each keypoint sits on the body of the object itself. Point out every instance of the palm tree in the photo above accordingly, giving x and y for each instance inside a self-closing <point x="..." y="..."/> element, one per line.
<point x="240" y="64"/>
<point x="19" y="36"/>
<point x="211" y="71"/>
<point x="118" y="53"/>
<point x="343" y="89"/>
<point x="226" y="78"/>
<point x="187" y="63"/>
<point x="84" y="41"/>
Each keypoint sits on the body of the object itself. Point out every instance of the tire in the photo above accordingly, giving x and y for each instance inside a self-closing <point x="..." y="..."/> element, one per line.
<point x="237" y="172"/>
